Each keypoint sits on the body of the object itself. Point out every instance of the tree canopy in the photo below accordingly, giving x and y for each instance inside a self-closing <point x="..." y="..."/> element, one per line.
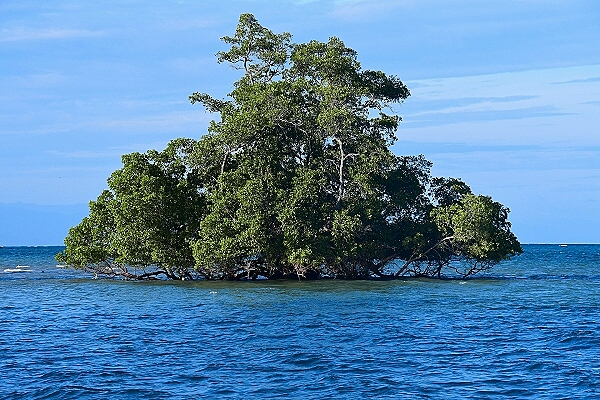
<point x="295" y="179"/>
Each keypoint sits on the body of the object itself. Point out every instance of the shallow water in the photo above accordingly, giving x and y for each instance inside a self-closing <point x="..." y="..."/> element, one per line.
<point x="529" y="329"/>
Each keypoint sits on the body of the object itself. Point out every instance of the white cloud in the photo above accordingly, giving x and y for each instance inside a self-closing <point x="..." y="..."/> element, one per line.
<point x="25" y="34"/>
<point x="513" y="107"/>
<point x="188" y="24"/>
<point x="113" y="153"/>
<point x="361" y="9"/>
<point x="48" y="79"/>
<point x="196" y="64"/>
<point x="87" y="154"/>
<point x="170" y="122"/>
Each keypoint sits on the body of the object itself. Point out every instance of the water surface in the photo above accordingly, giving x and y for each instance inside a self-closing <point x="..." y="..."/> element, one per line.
<point x="529" y="329"/>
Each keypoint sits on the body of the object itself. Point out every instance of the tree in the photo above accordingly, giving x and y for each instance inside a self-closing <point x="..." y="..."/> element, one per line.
<point x="294" y="180"/>
<point x="472" y="235"/>
<point x="143" y="225"/>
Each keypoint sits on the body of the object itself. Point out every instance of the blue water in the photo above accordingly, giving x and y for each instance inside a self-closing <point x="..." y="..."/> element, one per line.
<point x="530" y="329"/>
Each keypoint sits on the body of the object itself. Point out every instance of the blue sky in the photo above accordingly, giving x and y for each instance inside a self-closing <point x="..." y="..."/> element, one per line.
<point x="505" y="95"/>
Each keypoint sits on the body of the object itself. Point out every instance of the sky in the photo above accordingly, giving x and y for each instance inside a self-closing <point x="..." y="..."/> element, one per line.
<point x="504" y="94"/>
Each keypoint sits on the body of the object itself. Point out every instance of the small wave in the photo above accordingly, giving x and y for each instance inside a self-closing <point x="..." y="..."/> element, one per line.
<point x="536" y="277"/>
<point x="19" y="268"/>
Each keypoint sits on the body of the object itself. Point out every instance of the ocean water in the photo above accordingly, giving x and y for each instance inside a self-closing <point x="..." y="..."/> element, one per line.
<point x="528" y="329"/>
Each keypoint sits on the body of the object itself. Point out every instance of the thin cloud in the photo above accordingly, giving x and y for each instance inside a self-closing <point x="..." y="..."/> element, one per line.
<point x="87" y="154"/>
<point x="429" y="148"/>
<point x="40" y="80"/>
<point x="586" y="80"/>
<point x="188" y="24"/>
<point x="175" y="122"/>
<point x="361" y="9"/>
<point x="429" y="105"/>
<point x="447" y="118"/>
<point x="26" y="34"/>
<point x="110" y="152"/>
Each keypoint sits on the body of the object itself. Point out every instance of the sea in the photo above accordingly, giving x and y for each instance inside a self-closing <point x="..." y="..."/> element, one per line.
<point x="529" y="328"/>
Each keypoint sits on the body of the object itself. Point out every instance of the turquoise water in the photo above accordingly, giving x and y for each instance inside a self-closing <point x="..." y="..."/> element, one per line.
<point x="530" y="329"/>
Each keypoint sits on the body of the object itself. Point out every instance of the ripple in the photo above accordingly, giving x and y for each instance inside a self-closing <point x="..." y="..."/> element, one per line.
<point x="531" y="330"/>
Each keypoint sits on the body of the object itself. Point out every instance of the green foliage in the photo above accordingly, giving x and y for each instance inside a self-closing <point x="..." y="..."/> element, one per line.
<point x="478" y="228"/>
<point x="89" y="243"/>
<point x="257" y="50"/>
<point x="145" y="221"/>
<point x="294" y="180"/>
